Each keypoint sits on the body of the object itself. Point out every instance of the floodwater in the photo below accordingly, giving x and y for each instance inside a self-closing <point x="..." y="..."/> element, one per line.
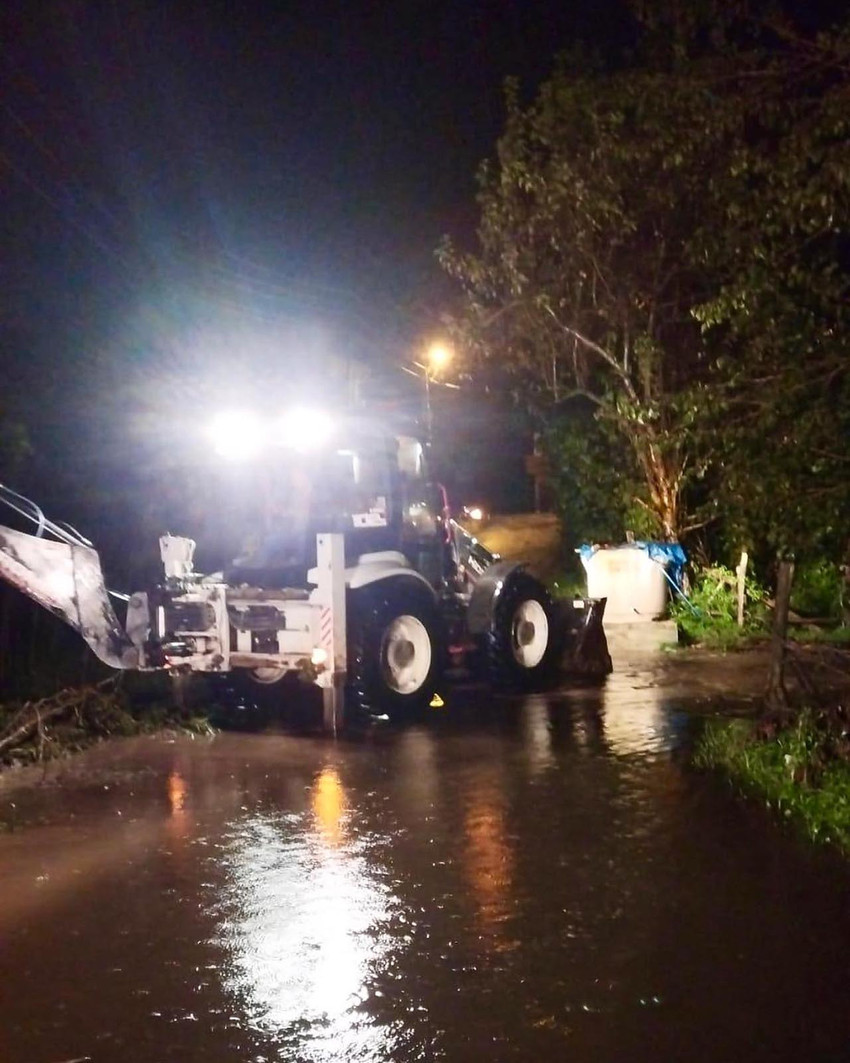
<point x="508" y="879"/>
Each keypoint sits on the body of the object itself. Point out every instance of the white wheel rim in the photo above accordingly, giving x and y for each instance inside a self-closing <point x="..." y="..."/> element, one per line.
<point x="529" y="633"/>
<point x="406" y="654"/>
<point x="266" y="676"/>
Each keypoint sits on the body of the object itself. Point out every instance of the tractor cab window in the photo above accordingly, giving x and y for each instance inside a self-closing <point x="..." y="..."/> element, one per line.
<point x="422" y="501"/>
<point x="353" y="489"/>
<point x="423" y="536"/>
<point x="410" y="457"/>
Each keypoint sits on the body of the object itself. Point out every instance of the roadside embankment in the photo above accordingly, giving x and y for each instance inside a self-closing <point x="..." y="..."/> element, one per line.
<point x="76" y="717"/>
<point x="801" y="770"/>
<point x="535" y="538"/>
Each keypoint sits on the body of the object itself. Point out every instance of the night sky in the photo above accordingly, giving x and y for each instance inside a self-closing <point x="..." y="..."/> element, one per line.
<point x="203" y="199"/>
<point x="175" y="174"/>
<point x="206" y="203"/>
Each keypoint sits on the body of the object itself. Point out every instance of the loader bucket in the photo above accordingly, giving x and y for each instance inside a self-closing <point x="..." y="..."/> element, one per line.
<point x="67" y="580"/>
<point x="586" y="650"/>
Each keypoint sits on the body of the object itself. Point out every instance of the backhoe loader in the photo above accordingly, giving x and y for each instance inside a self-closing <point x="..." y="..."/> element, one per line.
<point x="359" y="581"/>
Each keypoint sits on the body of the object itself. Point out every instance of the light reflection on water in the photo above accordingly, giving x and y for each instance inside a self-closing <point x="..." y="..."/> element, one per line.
<point x="299" y="923"/>
<point x="639" y="724"/>
<point x="309" y="919"/>
<point x="526" y="881"/>
<point x="305" y="914"/>
<point x="329" y="806"/>
<point x="488" y="857"/>
<point x="537" y="734"/>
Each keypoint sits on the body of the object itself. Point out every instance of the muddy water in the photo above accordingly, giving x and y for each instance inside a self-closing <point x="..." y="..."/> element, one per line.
<point x="506" y="880"/>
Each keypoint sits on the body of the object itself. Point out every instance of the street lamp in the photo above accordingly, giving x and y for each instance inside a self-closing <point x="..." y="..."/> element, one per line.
<point x="437" y="357"/>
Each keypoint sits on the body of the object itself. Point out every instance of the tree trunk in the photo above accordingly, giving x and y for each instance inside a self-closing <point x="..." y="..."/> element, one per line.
<point x="777" y="697"/>
<point x="663" y="474"/>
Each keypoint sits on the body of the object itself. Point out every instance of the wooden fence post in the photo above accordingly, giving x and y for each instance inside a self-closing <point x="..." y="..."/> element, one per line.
<point x="741" y="573"/>
<point x="777" y="696"/>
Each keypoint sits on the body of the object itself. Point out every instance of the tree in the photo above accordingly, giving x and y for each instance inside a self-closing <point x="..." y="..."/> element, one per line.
<point x="583" y="284"/>
<point x="778" y="326"/>
<point x="632" y="231"/>
<point x="594" y="479"/>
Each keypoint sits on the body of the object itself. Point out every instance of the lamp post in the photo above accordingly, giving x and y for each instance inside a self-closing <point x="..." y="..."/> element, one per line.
<point x="437" y="357"/>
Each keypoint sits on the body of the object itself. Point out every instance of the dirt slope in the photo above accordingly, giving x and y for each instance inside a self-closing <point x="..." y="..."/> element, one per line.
<point x="531" y="537"/>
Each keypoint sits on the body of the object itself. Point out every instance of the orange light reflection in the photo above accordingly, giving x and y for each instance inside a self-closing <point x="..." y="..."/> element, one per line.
<point x="489" y="860"/>
<point x="329" y="806"/>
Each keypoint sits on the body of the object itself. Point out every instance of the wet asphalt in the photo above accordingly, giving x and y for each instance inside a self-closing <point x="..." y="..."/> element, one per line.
<point x="541" y="878"/>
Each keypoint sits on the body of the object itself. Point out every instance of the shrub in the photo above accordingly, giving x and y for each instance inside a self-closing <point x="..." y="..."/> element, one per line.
<point x="710" y="616"/>
<point x="818" y="589"/>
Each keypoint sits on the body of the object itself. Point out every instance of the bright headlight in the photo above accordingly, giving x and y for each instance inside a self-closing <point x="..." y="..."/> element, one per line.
<point x="236" y="435"/>
<point x="303" y="429"/>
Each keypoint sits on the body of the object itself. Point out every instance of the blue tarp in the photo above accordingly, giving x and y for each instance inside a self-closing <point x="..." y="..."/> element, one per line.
<point x="671" y="556"/>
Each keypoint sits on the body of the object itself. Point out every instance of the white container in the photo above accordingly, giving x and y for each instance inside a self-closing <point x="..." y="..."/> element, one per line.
<point x="634" y="584"/>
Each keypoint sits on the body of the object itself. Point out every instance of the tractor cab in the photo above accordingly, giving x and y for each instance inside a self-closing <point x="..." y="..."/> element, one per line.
<point x="368" y="485"/>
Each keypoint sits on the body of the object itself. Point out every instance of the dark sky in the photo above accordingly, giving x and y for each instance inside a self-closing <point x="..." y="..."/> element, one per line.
<point x="177" y="175"/>
<point x="201" y="199"/>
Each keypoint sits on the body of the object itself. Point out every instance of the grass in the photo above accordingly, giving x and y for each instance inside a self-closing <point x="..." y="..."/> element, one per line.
<point x="795" y="771"/>
<point x="830" y="636"/>
<point x="710" y="617"/>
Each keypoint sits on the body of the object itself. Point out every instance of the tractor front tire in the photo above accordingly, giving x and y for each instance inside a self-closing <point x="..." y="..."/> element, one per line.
<point x="525" y="642"/>
<point x="395" y="648"/>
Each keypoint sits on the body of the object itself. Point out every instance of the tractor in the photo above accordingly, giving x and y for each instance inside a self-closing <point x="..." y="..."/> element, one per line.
<point x="356" y="578"/>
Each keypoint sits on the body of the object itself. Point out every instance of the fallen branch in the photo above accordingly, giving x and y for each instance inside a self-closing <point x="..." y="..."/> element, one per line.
<point x="32" y="716"/>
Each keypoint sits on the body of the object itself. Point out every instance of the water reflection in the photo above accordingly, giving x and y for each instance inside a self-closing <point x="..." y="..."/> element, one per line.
<point x="610" y="907"/>
<point x="639" y="722"/>
<point x="177" y="823"/>
<point x="488" y="856"/>
<point x="329" y="806"/>
<point x="537" y="733"/>
<point x="298" y="921"/>
<point x="417" y="758"/>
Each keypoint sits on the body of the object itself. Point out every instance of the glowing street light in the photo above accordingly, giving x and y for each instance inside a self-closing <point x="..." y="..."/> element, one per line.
<point x="437" y="357"/>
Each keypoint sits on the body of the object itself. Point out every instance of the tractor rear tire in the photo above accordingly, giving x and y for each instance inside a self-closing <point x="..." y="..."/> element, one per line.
<point x="396" y="648"/>
<point x="525" y="642"/>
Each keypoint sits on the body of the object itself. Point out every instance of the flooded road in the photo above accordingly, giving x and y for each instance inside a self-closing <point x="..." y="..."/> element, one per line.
<point x="538" y="879"/>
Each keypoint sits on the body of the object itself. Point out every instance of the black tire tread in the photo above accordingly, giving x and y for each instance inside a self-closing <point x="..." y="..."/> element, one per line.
<point x="503" y="669"/>
<point x="370" y="609"/>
